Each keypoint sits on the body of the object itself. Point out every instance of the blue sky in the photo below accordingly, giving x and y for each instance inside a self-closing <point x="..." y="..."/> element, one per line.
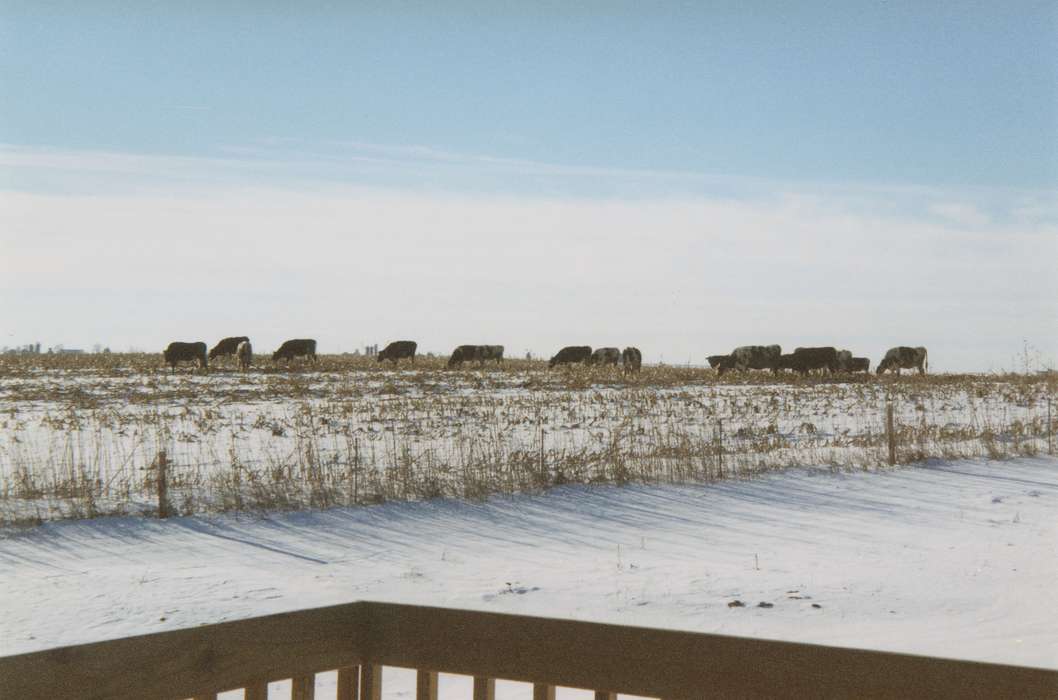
<point x="884" y="117"/>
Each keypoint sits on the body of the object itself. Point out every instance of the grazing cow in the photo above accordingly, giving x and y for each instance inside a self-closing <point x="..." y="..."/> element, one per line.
<point x="244" y="353"/>
<point x="227" y="346"/>
<point x="491" y="352"/>
<point x="859" y="364"/>
<point x="300" y="347"/>
<point x="398" y="350"/>
<point x="185" y="352"/>
<point x="804" y="360"/>
<point x="752" y="357"/>
<point x="464" y="353"/>
<point x="844" y="358"/>
<point x="631" y="359"/>
<point x="571" y="354"/>
<point x="605" y="356"/>
<point x="717" y="360"/>
<point x="903" y="357"/>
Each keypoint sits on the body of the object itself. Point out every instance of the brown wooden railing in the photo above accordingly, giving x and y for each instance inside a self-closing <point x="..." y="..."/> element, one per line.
<point x="358" y="639"/>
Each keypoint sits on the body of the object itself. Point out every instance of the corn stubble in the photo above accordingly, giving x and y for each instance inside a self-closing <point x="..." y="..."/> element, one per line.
<point x="81" y="434"/>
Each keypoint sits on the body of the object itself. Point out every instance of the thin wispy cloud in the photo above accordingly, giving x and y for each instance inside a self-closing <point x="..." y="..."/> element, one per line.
<point x="291" y="253"/>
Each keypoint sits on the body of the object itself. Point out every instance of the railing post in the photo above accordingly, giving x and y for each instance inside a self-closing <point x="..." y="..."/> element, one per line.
<point x="889" y="430"/>
<point x="163" y="485"/>
<point x="303" y="688"/>
<point x="426" y="685"/>
<point x="349" y="683"/>
<point x="484" y="688"/>
<point x="370" y="682"/>
<point x="542" y="691"/>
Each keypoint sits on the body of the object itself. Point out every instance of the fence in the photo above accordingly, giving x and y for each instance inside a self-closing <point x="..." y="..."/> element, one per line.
<point x="358" y="639"/>
<point x="371" y="448"/>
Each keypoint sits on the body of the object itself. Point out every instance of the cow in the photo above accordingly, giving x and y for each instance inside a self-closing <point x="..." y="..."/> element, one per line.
<point x="464" y="353"/>
<point x="605" y="356"/>
<point x="903" y="357"/>
<point x="804" y="360"/>
<point x="631" y="359"/>
<point x="491" y="352"/>
<point x="571" y="354"/>
<point x="299" y="347"/>
<point x="185" y="352"/>
<point x="227" y="346"/>
<point x="859" y="364"/>
<point x="398" y="350"/>
<point x="244" y="353"/>
<point x="752" y="357"/>
<point x="717" y="360"/>
<point x="844" y="358"/>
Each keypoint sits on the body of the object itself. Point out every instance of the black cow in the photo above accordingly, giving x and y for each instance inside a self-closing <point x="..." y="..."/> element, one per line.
<point x="398" y="350"/>
<point x="227" y="346"/>
<point x="185" y="352"/>
<point x="244" y="353"/>
<point x="903" y="357"/>
<point x="859" y="364"/>
<point x="631" y="359"/>
<point x="804" y="360"/>
<point x="299" y="347"/>
<point x="752" y="357"/>
<point x="717" y="360"/>
<point x="491" y="352"/>
<point x="571" y="354"/>
<point x="481" y="353"/>
<point x="464" y="353"/>
<point x="605" y="356"/>
<point x="844" y="358"/>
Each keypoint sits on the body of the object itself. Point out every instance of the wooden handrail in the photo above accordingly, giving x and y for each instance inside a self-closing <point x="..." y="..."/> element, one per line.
<point x="543" y="651"/>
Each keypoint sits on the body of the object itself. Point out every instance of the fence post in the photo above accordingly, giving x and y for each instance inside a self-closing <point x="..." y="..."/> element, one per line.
<point x="163" y="485"/>
<point x="889" y="431"/>
<point x="356" y="471"/>
<point x="1050" y="430"/>
<point x="543" y="467"/>
<point x="720" y="447"/>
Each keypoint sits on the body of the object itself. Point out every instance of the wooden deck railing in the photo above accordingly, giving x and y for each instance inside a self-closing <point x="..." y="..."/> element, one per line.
<point x="358" y="639"/>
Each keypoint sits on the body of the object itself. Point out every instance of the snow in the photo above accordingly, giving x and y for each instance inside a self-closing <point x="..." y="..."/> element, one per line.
<point x="955" y="559"/>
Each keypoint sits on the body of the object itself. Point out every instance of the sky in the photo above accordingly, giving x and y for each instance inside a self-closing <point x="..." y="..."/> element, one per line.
<point x="684" y="177"/>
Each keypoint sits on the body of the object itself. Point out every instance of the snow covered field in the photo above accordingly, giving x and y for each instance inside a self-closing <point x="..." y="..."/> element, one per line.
<point x="955" y="559"/>
<point x="82" y="441"/>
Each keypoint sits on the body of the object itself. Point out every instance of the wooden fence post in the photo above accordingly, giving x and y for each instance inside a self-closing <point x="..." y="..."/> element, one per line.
<point x="484" y="688"/>
<point x="720" y="448"/>
<point x="356" y="471"/>
<point x="1050" y="429"/>
<point x="163" y="485"/>
<point x="889" y="431"/>
<point x="543" y="467"/>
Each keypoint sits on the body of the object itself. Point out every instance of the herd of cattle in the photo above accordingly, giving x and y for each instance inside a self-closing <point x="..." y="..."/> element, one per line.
<point x="805" y="360"/>
<point x="766" y="357"/>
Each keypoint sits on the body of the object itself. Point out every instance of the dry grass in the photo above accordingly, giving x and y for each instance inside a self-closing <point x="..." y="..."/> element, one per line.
<point x="80" y="433"/>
